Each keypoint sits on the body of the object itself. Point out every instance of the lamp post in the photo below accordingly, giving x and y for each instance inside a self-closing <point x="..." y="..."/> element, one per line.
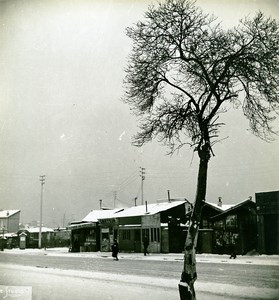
<point x="42" y="179"/>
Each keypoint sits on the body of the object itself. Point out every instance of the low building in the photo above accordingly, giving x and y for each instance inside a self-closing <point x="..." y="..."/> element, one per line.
<point x="85" y="234"/>
<point x="235" y="228"/>
<point x="32" y="237"/>
<point x="267" y="204"/>
<point x="9" y="225"/>
<point x="9" y="221"/>
<point x="61" y="237"/>
<point x="206" y="233"/>
<point x="162" y="223"/>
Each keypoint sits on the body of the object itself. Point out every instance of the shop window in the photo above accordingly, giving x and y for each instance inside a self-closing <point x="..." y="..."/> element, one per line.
<point x="137" y="235"/>
<point x="205" y="223"/>
<point x="231" y="221"/>
<point x="155" y="235"/>
<point x="126" y="234"/>
<point x="219" y="224"/>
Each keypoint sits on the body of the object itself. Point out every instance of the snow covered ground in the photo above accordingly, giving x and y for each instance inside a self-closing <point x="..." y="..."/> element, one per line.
<point x="59" y="284"/>
<point x="50" y="283"/>
<point x="203" y="258"/>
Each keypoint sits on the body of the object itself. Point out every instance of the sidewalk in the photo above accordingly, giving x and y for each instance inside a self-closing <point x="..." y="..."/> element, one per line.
<point x="201" y="258"/>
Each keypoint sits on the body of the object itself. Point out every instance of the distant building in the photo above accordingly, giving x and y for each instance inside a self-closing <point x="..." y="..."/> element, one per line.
<point x="32" y="236"/>
<point x="9" y="221"/>
<point x="267" y="204"/>
<point x="85" y="234"/>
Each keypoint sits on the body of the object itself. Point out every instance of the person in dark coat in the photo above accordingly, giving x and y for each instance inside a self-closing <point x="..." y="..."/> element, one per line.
<point x="145" y="245"/>
<point x="232" y="247"/>
<point x="115" y="250"/>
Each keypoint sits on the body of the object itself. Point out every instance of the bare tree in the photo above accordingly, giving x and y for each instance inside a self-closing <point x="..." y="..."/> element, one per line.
<point x="183" y="72"/>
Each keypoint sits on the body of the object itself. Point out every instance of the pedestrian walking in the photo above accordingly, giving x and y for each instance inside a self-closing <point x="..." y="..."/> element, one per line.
<point x="115" y="250"/>
<point x="145" y="245"/>
<point x="232" y="247"/>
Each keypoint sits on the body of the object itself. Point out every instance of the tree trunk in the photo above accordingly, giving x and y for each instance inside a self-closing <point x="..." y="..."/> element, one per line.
<point x="189" y="273"/>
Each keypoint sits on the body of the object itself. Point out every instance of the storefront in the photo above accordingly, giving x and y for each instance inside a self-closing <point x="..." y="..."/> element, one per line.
<point x="108" y="232"/>
<point x="84" y="237"/>
<point x="235" y="229"/>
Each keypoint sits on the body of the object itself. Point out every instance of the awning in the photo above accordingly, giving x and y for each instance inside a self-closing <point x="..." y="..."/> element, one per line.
<point x="81" y="225"/>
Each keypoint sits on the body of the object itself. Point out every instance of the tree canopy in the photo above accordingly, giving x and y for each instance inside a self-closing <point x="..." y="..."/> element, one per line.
<point x="184" y="70"/>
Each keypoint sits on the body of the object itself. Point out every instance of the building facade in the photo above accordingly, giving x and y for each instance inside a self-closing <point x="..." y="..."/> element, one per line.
<point x="163" y="224"/>
<point x="235" y="228"/>
<point x="9" y="221"/>
<point x="267" y="204"/>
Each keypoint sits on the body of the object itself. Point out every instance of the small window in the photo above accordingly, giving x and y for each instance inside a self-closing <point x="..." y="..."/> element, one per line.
<point x="155" y="235"/>
<point x="126" y="235"/>
<point x="231" y="221"/>
<point x="219" y="224"/>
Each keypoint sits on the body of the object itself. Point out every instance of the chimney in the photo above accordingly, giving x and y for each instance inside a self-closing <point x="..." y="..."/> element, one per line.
<point x="100" y="203"/>
<point x="250" y="198"/>
<point x="146" y="207"/>
<point x="8" y="213"/>
<point x="169" y="199"/>
<point x="219" y="201"/>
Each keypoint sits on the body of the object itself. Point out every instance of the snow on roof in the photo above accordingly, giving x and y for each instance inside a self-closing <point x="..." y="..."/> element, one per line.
<point x="227" y="207"/>
<point x="223" y="207"/>
<point x="9" y="235"/>
<point x="95" y="215"/>
<point x="37" y="229"/>
<point x="152" y="208"/>
<point x="172" y="199"/>
<point x="8" y="213"/>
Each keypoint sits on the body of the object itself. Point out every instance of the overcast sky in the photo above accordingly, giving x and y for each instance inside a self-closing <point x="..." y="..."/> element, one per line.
<point x="62" y="68"/>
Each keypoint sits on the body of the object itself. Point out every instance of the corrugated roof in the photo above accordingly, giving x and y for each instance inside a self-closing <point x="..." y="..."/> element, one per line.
<point x="8" y="213"/>
<point x="152" y="208"/>
<point x="95" y="215"/>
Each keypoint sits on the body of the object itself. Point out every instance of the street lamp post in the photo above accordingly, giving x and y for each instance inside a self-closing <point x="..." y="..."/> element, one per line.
<point x="42" y="179"/>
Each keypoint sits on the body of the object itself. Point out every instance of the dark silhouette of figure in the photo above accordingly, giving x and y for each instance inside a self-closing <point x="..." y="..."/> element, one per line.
<point x="145" y="245"/>
<point x="232" y="247"/>
<point x="233" y="254"/>
<point x="115" y="249"/>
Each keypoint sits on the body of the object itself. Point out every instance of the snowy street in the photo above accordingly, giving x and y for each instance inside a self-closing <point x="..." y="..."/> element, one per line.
<point x="62" y="275"/>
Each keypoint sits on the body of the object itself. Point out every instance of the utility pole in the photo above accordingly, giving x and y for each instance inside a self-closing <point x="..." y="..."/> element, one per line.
<point x="64" y="216"/>
<point x="114" y="198"/>
<point x="42" y="179"/>
<point x="142" y="175"/>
